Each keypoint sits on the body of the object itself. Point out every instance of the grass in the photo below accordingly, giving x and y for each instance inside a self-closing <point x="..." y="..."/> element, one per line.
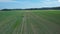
<point x="30" y="22"/>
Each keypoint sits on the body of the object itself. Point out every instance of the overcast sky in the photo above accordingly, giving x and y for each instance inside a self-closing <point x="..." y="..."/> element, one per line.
<point x="28" y="3"/>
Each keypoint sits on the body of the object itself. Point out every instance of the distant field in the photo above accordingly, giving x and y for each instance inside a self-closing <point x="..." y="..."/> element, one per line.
<point x="30" y="22"/>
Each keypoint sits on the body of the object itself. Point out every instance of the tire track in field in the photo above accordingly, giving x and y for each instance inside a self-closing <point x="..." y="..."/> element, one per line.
<point x="26" y="29"/>
<point x="25" y="24"/>
<point x="54" y="28"/>
<point x="33" y="29"/>
<point x="30" y="30"/>
<point x="23" y="27"/>
<point x="32" y="26"/>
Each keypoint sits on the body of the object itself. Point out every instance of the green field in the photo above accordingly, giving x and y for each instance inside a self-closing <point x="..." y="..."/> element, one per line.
<point x="30" y="22"/>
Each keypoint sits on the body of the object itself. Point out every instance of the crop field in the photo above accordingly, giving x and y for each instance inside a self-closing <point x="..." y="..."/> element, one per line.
<point x="30" y="22"/>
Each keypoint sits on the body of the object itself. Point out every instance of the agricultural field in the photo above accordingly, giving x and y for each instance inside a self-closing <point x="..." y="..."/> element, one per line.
<point x="30" y="22"/>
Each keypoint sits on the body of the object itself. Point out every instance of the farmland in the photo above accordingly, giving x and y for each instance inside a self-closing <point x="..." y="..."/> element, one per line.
<point x="30" y="22"/>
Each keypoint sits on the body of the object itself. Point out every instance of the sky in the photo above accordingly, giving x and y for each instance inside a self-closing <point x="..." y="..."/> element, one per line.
<point x="13" y="4"/>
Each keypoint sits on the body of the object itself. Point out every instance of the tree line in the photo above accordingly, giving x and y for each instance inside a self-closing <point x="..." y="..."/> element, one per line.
<point x="46" y="8"/>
